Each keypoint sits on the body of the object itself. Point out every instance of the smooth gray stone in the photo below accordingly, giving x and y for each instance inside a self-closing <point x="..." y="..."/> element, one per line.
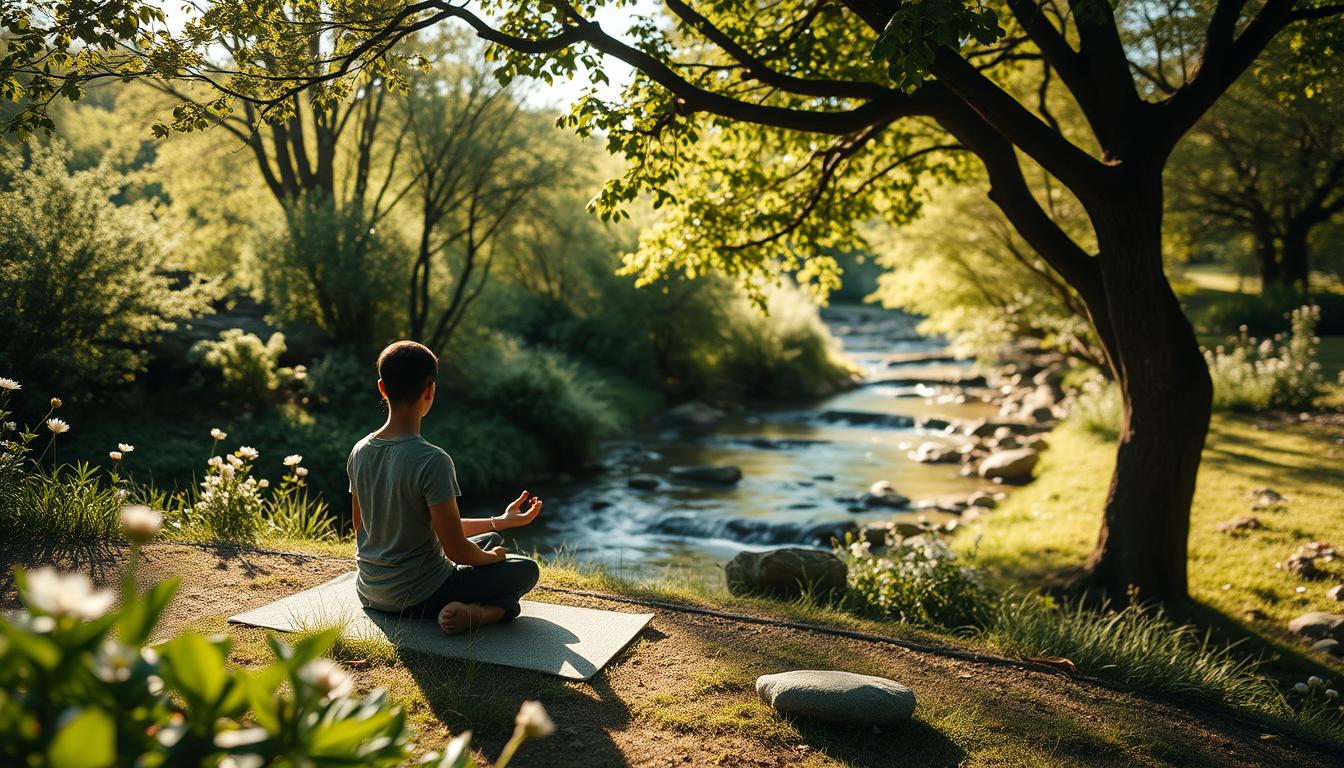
<point x="843" y="697"/>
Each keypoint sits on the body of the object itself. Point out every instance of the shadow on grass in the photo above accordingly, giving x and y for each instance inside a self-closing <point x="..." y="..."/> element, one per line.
<point x="101" y="560"/>
<point x="483" y="698"/>
<point x="914" y="743"/>
<point x="1285" y="661"/>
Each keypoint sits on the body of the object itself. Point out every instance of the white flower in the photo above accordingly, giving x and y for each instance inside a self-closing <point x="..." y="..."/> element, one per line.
<point x="218" y="433"/>
<point x="11" y="426"/>
<point x="55" y="402"/>
<point x="248" y="452"/>
<point x="301" y="471"/>
<point x="263" y="483"/>
<point x="326" y="677"/>
<point x="860" y="548"/>
<point x="1331" y="694"/>
<point x="125" y="447"/>
<point x="293" y="460"/>
<point x="39" y="625"/>
<point x="1301" y="688"/>
<point x="140" y="523"/>
<point x="1314" y="681"/>
<point x="10" y="384"/>
<point x="114" y="662"/>
<point x="234" y="461"/>
<point x="122" y="493"/>
<point x="214" y="461"/>
<point x="456" y="748"/>
<point x="57" y="426"/>
<point x="66" y="594"/>
<point x="114" y="455"/>
<point x="534" y="721"/>
<point x="227" y="471"/>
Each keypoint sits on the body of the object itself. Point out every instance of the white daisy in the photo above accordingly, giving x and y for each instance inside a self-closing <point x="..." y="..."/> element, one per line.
<point x="66" y="594"/>
<point x="218" y="433"/>
<point x="57" y="426"/>
<point x="10" y="385"/>
<point x="248" y="452"/>
<point x="293" y="460"/>
<point x="125" y="447"/>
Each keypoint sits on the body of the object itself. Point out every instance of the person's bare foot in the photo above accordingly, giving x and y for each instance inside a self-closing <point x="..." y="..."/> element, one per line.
<point x="456" y="618"/>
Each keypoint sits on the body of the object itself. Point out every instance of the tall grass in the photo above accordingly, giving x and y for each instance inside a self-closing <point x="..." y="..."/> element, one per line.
<point x="69" y="503"/>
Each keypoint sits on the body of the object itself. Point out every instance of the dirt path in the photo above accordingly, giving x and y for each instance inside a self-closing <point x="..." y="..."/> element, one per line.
<point x="683" y="693"/>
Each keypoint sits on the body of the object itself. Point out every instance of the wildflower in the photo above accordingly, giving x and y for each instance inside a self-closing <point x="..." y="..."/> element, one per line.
<point x="293" y="460"/>
<point x="534" y="721"/>
<point x="10" y="385"/>
<point x="227" y="471"/>
<point x="1331" y="694"/>
<point x="122" y="493"/>
<point x="114" y="662"/>
<point x="57" y="426"/>
<point x="125" y="447"/>
<point x="326" y="677"/>
<point x="114" y="455"/>
<point x="456" y="748"/>
<point x="860" y="548"/>
<point x="234" y="461"/>
<point x="301" y="471"/>
<point x="215" y="461"/>
<point x="66" y="594"/>
<point x="38" y="625"/>
<point x="248" y="452"/>
<point x="55" y="403"/>
<point x="218" y="433"/>
<point x="11" y="426"/>
<point x="263" y="483"/>
<point x="140" y="523"/>
<point x="1314" y="681"/>
<point x="1301" y="688"/>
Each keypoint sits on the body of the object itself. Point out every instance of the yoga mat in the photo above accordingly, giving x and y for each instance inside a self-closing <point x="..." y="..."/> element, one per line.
<point x="562" y="640"/>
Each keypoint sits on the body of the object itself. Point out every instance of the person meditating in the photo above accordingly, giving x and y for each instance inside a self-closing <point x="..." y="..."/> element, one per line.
<point x="416" y="555"/>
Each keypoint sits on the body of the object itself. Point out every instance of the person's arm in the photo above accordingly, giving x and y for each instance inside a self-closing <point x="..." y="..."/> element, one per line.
<point x="449" y="530"/>
<point x="522" y="511"/>
<point x="355" y="519"/>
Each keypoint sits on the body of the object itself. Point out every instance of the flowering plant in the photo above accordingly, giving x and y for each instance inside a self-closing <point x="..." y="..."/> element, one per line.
<point x="917" y="579"/>
<point x="229" y="504"/>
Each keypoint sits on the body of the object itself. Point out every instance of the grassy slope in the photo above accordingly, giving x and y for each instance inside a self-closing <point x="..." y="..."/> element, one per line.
<point x="1053" y="524"/>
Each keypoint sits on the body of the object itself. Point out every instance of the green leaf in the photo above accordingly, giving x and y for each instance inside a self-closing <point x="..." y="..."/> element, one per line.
<point x="40" y="649"/>
<point x="197" y="666"/>
<point x="141" y="614"/>
<point x="87" y="741"/>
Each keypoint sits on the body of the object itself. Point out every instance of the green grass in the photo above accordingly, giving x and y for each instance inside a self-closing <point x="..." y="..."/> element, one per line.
<point x="1053" y="523"/>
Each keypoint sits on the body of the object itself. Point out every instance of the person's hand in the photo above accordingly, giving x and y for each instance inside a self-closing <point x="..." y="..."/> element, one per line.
<point x="522" y="511"/>
<point x="499" y="553"/>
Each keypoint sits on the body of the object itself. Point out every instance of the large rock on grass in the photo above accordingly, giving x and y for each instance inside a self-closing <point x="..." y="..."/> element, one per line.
<point x="1013" y="466"/>
<point x="787" y="573"/>
<point x="839" y="697"/>
<point x="1318" y="625"/>
<point x="718" y="474"/>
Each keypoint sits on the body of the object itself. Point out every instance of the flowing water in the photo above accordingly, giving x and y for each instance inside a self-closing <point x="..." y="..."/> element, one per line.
<point x="802" y="464"/>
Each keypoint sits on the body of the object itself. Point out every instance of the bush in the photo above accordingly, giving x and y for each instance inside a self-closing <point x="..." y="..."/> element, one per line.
<point x="549" y="399"/>
<point x="85" y="283"/>
<point x="917" y="580"/>
<point x="1275" y="373"/>
<point x="82" y="685"/>
<point x="245" y="369"/>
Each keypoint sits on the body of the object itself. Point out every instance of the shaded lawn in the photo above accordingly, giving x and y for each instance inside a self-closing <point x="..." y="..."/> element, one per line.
<point x="1235" y="588"/>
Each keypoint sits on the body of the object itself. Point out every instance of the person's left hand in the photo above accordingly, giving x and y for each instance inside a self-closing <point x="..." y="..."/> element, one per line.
<point x="522" y="511"/>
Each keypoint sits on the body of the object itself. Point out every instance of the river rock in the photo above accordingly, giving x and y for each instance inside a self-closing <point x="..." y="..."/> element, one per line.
<point x="842" y="697"/>
<point x="981" y="499"/>
<point x="1246" y="523"/>
<point x="1012" y="466"/>
<point x="934" y="453"/>
<point x="1329" y="645"/>
<point x="1318" y="625"/>
<point x="694" y="414"/>
<point x="643" y="482"/>
<point x="719" y="474"/>
<point x="786" y="573"/>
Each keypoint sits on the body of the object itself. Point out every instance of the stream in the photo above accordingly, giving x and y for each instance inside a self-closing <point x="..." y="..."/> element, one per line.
<point x="803" y="464"/>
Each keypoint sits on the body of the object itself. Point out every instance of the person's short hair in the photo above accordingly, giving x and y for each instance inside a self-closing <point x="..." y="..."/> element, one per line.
<point x="406" y="368"/>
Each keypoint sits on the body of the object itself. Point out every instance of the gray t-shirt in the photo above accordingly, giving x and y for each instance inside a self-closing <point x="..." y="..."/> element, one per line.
<point x="401" y="561"/>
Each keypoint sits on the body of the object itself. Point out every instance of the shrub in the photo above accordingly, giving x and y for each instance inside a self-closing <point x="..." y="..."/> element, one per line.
<point x="82" y="685"/>
<point x="1281" y="372"/>
<point x="1263" y="314"/>
<point x="917" y="580"/>
<point x="84" y="283"/>
<point x="246" y="369"/>
<point x="229" y="504"/>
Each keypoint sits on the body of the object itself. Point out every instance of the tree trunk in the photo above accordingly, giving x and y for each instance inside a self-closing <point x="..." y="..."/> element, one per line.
<point x="1296" y="264"/>
<point x="1267" y="259"/>
<point x="1167" y="394"/>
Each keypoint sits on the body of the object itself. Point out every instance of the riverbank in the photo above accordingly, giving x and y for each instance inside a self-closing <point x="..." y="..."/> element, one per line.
<point x="683" y="693"/>
<point x="1241" y="540"/>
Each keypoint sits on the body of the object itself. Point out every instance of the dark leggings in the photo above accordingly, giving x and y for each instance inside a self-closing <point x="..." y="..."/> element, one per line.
<point x="500" y="584"/>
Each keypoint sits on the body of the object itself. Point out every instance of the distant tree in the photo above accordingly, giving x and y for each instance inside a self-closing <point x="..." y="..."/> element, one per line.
<point x="1268" y="163"/>
<point x="84" y="283"/>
